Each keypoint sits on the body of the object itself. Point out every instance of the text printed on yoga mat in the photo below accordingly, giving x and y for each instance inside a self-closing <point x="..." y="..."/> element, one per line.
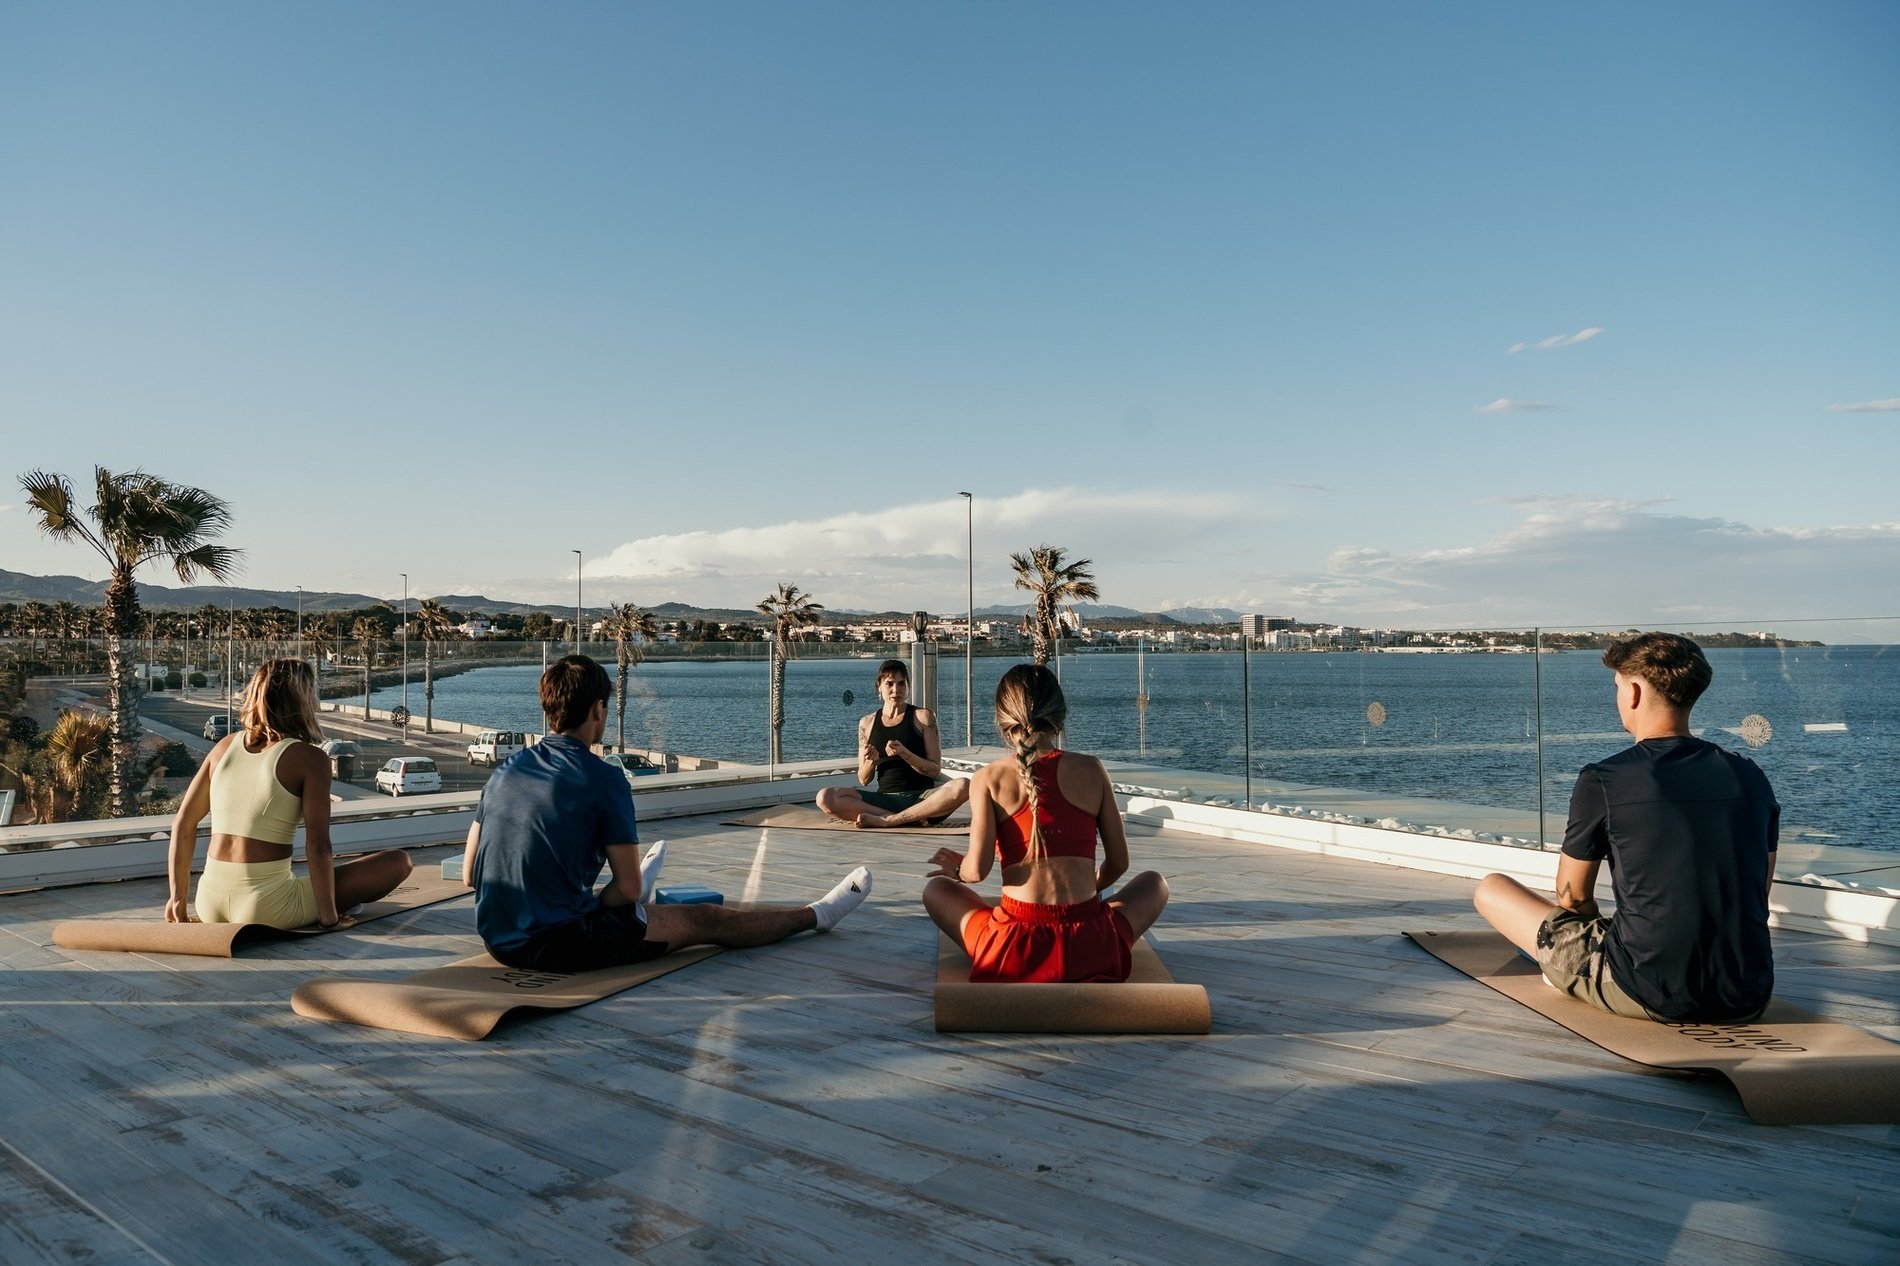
<point x="529" y="979"/>
<point x="1737" y="1037"/>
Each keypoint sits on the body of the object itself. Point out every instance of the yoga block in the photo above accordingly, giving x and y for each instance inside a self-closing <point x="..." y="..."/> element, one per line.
<point x="451" y="868"/>
<point x="688" y="895"/>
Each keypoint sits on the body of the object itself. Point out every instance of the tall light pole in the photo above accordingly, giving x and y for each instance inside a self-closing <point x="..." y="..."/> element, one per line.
<point x="405" y="653"/>
<point x="230" y="635"/>
<point x="577" y="602"/>
<point x="969" y="630"/>
<point x="299" y="621"/>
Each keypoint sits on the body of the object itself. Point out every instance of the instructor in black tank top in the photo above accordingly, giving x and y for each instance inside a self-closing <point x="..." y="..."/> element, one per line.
<point x="899" y="746"/>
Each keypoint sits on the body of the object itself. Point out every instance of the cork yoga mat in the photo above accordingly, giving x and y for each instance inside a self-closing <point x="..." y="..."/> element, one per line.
<point x="221" y="940"/>
<point x="1790" y="1067"/>
<point x="466" y="1000"/>
<point x="804" y="817"/>
<point x="1149" y="1001"/>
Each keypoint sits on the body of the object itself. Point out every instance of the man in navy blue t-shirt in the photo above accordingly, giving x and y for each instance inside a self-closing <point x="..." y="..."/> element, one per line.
<point x="1689" y="831"/>
<point x="553" y="815"/>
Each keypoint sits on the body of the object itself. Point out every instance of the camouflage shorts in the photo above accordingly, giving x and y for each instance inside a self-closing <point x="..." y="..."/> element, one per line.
<point x="1570" y="952"/>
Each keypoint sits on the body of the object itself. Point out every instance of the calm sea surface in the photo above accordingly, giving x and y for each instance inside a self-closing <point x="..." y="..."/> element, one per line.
<point x="1826" y="721"/>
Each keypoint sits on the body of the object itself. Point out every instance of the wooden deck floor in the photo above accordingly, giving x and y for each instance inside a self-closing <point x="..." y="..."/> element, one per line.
<point x="1358" y="1101"/>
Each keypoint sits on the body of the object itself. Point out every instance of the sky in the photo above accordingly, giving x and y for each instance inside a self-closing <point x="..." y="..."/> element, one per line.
<point x="1383" y="313"/>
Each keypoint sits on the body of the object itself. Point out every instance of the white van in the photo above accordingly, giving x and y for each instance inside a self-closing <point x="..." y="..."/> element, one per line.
<point x="492" y="747"/>
<point x="408" y="776"/>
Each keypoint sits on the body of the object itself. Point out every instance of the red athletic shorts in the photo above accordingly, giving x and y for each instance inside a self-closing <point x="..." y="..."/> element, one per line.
<point x="1019" y="941"/>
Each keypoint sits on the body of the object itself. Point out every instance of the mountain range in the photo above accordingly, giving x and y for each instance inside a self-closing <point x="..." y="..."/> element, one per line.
<point x="20" y="587"/>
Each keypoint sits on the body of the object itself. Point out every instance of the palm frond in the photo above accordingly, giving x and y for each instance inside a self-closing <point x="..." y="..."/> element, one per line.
<point x="50" y="496"/>
<point x="217" y="561"/>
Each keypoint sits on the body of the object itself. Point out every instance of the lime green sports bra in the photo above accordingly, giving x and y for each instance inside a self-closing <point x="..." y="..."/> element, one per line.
<point x="247" y="799"/>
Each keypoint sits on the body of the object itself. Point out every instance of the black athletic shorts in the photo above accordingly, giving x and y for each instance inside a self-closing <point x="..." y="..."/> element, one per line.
<point x="611" y="936"/>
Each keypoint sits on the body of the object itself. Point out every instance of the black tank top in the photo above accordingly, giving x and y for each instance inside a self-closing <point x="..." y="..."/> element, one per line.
<point x="892" y="773"/>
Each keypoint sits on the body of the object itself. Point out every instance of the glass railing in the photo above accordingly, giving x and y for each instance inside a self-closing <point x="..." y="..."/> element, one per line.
<point x="1473" y="735"/>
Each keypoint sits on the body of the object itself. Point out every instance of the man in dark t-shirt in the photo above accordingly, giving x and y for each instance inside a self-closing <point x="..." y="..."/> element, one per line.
<point x="899" y="746"/>
<point x="554" y="815"/>
<point x="1689" y="831"/>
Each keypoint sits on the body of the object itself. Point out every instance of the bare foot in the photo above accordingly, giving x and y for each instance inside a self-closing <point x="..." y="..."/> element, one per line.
<point x="870" y="821"/>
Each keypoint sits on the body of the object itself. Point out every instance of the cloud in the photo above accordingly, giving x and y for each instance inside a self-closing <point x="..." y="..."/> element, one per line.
<point x="912" y="556"/>
<point x="1868" y="406"/>
<point x="1504" y="404"/>
<point x="1576" y="561"/>
<point x="1555" y="341"/>
<point x="1601" y="560"/>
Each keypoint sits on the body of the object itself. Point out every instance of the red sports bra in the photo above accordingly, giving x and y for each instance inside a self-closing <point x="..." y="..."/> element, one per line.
<point x="1066" y="830"/>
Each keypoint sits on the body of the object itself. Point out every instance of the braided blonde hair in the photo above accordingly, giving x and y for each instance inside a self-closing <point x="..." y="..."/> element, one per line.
<point x="1029" y="706"/>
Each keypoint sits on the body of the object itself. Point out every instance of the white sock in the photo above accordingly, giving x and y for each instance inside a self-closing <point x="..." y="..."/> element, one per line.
<point x="650" y="872"/>
<point x="842" y="900"/>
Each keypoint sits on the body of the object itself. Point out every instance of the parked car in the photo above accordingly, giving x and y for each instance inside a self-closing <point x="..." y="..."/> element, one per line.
<point x="408" y="776"/>
<point x="632" y="764"/>
<point x="217" y="725"/>
<point x="492" y="747"/>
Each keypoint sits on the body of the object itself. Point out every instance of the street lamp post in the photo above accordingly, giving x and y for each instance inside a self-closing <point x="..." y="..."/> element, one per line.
<point x="969" y="630"/>
<point x="577" y="602"/>
<point x="405" y="655"/>
<point x="230" y="635"/>
<point x="299" y="621"/>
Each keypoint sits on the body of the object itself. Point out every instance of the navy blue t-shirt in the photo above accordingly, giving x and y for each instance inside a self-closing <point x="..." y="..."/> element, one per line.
<point x="548" y="815"/>
<point x="1686" y="828"/>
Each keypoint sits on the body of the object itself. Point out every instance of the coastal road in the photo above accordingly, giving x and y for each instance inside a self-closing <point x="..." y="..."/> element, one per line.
<point x="184" y="719"/>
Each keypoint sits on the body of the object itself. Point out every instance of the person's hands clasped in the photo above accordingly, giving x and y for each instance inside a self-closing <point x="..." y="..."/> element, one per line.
<point x="897" y="749"/>
<point x="949" y="864"/>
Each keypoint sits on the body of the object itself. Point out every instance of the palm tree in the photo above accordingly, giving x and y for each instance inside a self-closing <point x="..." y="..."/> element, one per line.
<point x="1056" y="585"/>
<point x="34" y="616"/>
<point x="72" y="771"/>
<point x="434" y="623"/>
<point x="625" y="623"/>
<point x="791" y="611"/>
<point x="370" y="633"/>
<point x="137" y="519"/>
<point x="65" y="619"/>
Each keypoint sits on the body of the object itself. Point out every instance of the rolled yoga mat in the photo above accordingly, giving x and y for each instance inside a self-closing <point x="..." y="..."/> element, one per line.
<point x="221" y="940"/>
<point x="1149" y="1001"/>
<point x="1790" y="1067"/>
<point x="804" y="817"/>
<point x="466" y="1000"/>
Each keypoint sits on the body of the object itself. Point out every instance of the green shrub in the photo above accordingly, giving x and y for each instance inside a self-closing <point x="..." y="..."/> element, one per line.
<point x="173" y="759"/>
<point x="197" y="681"/>
<point x="173" y="679"/>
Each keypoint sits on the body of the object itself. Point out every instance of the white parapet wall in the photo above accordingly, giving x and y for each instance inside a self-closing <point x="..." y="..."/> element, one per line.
<point x="1801" y="907"/>
<point x="139" y="848"/>
<point x="133" y="848"/>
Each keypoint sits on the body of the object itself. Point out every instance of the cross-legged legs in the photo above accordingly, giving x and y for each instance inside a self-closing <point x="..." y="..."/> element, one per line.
<point x="940" y="803"/>
<point x="370" y="878"/>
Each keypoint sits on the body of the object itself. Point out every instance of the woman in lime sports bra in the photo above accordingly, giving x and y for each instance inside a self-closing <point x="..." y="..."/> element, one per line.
<point x="258" y="784"/>
<point x="1044" y="814"/>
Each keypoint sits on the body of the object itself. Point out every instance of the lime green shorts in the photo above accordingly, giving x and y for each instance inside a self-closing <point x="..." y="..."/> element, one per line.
<point x="255" y="892"/>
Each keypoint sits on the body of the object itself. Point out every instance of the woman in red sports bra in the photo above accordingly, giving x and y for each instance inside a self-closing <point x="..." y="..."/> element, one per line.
<point x="1042" y="812"/>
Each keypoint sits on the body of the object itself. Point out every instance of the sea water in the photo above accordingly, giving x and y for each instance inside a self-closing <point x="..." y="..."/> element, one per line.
<point x="1822" y="722"/>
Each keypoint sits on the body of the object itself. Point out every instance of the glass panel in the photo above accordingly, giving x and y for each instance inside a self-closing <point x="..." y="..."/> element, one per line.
<point x="1431" y="731"/>
<point x="1815" y="703"/>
